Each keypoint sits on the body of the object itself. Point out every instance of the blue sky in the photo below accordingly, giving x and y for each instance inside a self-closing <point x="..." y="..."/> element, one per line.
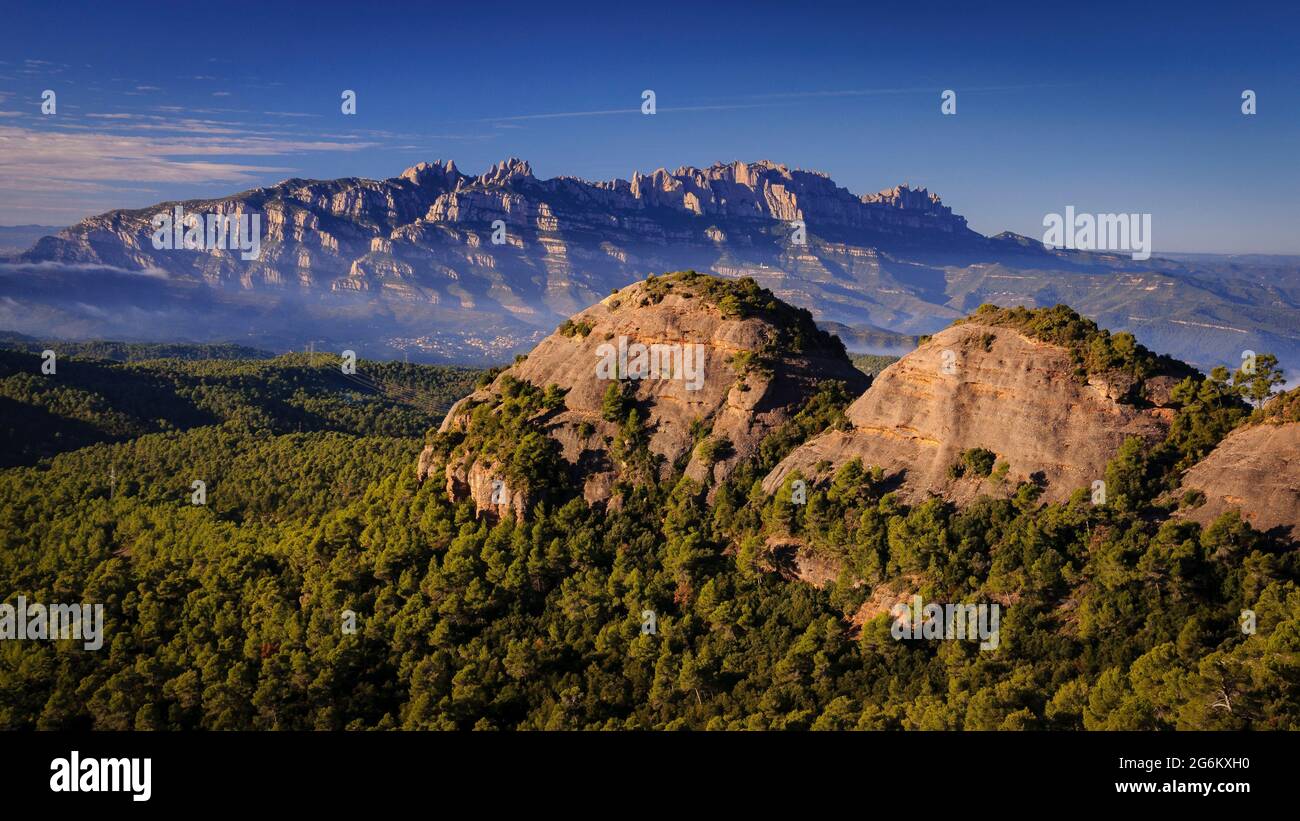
<point x="1107" y="107"/>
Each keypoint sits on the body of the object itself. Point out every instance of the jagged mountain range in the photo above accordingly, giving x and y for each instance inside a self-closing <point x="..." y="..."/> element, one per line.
<point x="409" y="263"/>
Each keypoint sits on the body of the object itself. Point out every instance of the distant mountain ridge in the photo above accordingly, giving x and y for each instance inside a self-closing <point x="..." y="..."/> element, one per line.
<point x="408" y="264"/>
<point x="426" y="234"/>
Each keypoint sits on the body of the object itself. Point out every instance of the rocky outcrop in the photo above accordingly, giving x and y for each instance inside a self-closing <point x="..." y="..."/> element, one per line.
<point x="709" y="374"/>
<point x="979" y="386"/>
<point x="1254" y="470"/>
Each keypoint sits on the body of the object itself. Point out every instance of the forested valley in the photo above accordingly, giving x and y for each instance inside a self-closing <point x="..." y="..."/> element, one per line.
<point x="232" y="614"/>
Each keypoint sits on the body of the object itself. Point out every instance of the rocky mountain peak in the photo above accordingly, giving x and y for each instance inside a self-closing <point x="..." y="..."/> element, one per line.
<point x="422" y="173"/>
<point x="506" y="172"/>
<point x="905" y="197"/>
<point x="680" y="372"/>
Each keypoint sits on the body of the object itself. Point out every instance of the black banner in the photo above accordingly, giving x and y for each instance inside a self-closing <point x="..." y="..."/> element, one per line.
<point x="594" y="770"/>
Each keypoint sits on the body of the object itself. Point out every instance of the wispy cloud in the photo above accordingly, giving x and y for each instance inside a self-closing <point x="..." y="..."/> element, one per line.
<point x="44" y="155"/>
<point x="105" y="161"/>
<point x="81" y="267"/>
<point x="605" y="112"/>
<point x="767" y="100"/>
<point x="41" y="67"/>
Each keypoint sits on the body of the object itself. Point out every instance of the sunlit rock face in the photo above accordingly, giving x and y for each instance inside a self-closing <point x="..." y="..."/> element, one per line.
<point x="977" y="386"/>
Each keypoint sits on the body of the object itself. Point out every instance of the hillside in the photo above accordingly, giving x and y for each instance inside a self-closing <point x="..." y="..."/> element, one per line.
<point x="90" y="399"/>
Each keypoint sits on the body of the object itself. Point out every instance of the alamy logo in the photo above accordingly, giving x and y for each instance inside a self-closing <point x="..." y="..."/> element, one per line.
<point x="55" y="622"/>
<point x="951" y="621"/>
<point x="75" y="774"/>
<point x="206" y="232"/>
<point x="657" y="361"/>
<point x="1099" y="232"/>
